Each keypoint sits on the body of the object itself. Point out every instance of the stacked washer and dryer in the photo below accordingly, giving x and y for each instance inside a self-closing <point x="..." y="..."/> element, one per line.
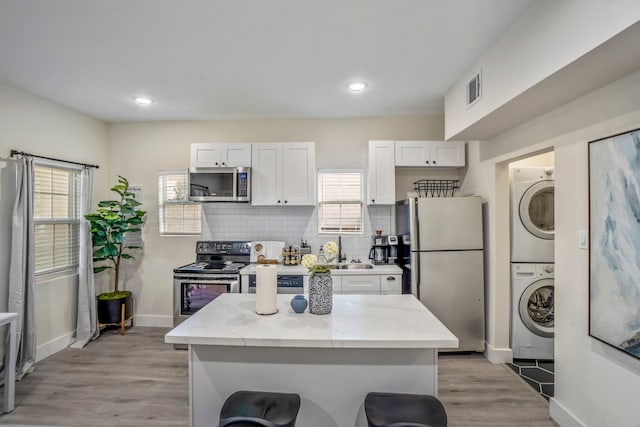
<point x="532" y="256"/>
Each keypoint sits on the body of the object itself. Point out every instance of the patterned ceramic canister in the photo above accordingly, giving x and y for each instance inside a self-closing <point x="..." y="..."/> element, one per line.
<point x="320" y="293"/>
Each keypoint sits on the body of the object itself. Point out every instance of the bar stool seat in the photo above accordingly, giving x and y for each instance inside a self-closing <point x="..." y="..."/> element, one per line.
<point x="260" y="408"/>
<point x="404" y="410"/>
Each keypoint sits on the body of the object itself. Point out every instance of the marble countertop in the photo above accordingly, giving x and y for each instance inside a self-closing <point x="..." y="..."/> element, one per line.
<point x="298" y="269"/>
<point x="356" y="321"/>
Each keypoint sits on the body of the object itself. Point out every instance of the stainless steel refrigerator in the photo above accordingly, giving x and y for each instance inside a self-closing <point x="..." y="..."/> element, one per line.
<point x="442" y="257"/>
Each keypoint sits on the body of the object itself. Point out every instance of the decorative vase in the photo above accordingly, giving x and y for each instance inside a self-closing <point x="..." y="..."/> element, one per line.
<point x="320" y="293"/>
<point x="299" y="303"/>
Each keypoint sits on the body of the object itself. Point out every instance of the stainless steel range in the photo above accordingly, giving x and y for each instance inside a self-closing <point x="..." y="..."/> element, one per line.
<point x="216" y="271"/>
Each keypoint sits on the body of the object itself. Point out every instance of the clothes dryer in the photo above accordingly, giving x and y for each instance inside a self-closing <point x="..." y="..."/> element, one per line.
<point x="532" y="311"/>
<point x="532" y="221"/>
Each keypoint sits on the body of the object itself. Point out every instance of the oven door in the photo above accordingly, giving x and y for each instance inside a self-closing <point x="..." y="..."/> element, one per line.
<point x="192" y="292"/>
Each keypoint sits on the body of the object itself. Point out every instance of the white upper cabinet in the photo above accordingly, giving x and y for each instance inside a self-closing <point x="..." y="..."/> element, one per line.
<point x="381" y="174"/>
<point x="283" y="174"/>
<point x="266" y="173"/>
<point x="299" y="173"/>
<point x="212" y="155"/>
<point x="430" y="153"/>
<point x="448" y="154"/>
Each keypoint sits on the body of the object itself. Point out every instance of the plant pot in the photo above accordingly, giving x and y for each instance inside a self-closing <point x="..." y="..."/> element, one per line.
<point x="110" y="310"/>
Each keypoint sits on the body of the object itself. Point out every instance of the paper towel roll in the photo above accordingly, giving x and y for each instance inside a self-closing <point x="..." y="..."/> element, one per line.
<point x="266" y="289"/>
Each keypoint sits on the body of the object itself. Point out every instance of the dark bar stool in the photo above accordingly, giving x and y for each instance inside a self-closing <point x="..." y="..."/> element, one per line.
<point x="404" y="410"/>
<point x="260" y="408"/>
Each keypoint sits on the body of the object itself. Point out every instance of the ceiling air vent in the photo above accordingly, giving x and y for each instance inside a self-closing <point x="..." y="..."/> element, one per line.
<point x="473" y="90"/>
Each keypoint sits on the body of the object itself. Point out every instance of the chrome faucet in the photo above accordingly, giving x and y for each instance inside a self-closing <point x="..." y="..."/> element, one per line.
<point x="341" y="256"/>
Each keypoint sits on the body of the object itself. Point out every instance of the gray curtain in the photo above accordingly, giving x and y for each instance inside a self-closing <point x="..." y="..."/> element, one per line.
<point x="87" y="319"/>
<point x="22" y="269"/>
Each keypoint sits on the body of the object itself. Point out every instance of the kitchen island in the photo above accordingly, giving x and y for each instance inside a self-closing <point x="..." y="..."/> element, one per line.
<point x="368" y="343"/>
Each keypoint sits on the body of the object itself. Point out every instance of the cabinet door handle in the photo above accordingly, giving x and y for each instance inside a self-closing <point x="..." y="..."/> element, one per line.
<point x="434" y="162"/>
<point x="391" y="278"/>
<point x="216" y="163"/>
<point x="224" y="164"/>
<point x="373" y="200"/>
<point x="285" y="201"/>
<point x="427" y="162"/>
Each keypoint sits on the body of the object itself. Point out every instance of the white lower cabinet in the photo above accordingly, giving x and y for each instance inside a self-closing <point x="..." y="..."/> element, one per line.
<point x="391" y="284"/>
<point x="337" y="284"/>
<point x="361" y="284"/>
<point x="365" y="284"/>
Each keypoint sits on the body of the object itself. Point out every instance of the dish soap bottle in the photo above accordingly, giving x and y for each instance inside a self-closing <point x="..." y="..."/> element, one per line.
<point x="322" y="259"/>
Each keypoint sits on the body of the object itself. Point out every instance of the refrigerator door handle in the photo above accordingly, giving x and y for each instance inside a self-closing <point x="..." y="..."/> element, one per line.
<point x="415" y="242"/>
<point x="418" y="275"/>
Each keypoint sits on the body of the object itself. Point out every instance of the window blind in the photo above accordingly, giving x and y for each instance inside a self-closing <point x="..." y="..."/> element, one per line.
<point x="340" y="201"/>
<point x="177" y="215"/>
<point x="56" y="211"/>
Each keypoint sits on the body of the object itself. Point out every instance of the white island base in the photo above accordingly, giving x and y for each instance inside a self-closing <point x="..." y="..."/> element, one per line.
<point x="368" y="343"/>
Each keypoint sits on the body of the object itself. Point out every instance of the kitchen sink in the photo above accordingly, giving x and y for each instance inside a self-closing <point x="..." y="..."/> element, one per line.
<point x="354" y="266"/>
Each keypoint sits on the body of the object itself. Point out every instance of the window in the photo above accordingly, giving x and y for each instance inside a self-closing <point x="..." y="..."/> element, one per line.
<point x="56" y="212"/>
<point x="340" y="201"/>
<point x="177" y="214"/>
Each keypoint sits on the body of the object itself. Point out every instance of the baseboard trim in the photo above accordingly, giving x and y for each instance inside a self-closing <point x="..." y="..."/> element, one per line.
<point x="562" y="415"/>
<point x="153" y="320"/>
<point x="498" y="355"/>
<point x="55" y="345"/>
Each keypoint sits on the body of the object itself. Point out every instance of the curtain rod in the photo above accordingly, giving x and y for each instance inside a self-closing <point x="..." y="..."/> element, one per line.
<point x="22" y="153"/>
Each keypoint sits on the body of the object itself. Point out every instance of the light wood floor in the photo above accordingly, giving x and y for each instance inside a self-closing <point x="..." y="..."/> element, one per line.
<point x="137" y="380"/>
<point x="477" y="393"/>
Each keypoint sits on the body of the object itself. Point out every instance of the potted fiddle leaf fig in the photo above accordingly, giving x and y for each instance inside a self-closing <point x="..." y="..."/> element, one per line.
<point x="109" y="224"/>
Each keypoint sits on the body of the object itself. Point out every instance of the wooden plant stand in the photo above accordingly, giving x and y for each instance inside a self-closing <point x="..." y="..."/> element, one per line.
<point x="122" y="318"/>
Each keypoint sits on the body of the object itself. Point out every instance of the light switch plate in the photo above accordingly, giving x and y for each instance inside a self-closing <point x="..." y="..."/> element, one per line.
<point x="583" y="239"/>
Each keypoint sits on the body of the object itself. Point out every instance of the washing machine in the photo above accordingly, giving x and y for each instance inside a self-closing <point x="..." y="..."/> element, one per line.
<point x="532" y="223"/>
<point x="532" y="317"/>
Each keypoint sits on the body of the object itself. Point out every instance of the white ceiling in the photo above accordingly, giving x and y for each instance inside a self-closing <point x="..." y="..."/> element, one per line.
<point x="223" y="59"/>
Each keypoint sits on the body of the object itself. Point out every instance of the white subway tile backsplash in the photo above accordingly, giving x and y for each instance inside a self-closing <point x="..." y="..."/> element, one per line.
<point x="238" y="221"/>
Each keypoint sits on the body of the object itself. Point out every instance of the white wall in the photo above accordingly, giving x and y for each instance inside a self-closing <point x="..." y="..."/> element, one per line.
<point x="595" y="384"/>
<point x="549" y="36"/>
<point x="139" y="150"/>
<point x="539" y="160"/>
<point x="37" y="126"/>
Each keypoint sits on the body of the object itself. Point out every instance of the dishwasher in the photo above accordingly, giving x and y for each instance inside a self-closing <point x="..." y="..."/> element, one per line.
<point x="287" y="284"/>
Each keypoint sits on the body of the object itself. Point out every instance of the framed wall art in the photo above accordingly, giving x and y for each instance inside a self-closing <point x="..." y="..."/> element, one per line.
<point x="614" y="229"/>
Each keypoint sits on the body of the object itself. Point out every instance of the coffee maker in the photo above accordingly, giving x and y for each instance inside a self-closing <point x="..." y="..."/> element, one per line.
<point x="393" y="249"/>
<point x="380" y="249"/>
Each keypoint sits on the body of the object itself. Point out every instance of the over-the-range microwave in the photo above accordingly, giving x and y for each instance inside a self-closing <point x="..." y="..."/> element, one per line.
<point x="220" y="184"/>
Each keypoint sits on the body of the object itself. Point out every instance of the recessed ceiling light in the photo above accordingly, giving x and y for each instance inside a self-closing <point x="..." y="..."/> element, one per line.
<point x="143" y="100"/>
<point x="357" y="86"/>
